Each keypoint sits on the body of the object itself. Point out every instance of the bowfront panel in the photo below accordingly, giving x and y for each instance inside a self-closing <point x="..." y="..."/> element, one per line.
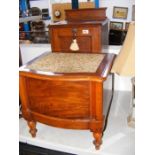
<point x="62" y="99"/>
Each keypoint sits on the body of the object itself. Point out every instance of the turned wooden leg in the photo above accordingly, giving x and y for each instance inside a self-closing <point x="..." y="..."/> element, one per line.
<point x="98" y="139"/>
<point x="32" y="126"/>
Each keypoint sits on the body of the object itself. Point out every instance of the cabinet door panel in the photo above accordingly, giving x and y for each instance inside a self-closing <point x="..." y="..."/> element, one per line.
<point x="88" y="38"/>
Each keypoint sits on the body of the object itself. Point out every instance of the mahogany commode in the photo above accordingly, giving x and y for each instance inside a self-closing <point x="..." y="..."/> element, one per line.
<point x="65" y="95"/>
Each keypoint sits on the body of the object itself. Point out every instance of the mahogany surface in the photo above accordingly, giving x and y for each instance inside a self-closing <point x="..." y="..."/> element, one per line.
<point x="66" y="100"/>
<point x="86" y="14"/>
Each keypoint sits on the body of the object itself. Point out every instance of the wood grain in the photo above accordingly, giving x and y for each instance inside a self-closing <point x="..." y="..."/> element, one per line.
<point x="86" y="14"/>
<point x="63" y="99"/>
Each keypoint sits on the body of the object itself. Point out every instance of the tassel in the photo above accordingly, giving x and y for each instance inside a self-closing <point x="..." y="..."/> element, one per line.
<point x="74" y="46"/>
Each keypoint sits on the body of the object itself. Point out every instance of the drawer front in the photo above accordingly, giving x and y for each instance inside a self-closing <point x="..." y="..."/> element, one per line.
<point x="88" y="38"/>
<point x="61" y="99"/>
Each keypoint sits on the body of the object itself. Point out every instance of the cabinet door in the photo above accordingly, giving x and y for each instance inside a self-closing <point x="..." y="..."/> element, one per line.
<point x="88" y="38"/>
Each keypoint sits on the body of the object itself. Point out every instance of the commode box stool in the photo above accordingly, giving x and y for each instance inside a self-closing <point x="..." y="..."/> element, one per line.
<point x="66" y="90"/>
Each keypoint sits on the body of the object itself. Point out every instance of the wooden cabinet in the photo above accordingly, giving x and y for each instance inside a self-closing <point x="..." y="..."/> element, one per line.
<point x="91" y="36"/>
